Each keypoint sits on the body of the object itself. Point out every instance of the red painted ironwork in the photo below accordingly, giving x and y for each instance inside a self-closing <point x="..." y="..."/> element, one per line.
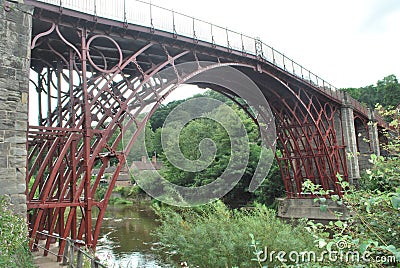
<point x="93" y="78"/>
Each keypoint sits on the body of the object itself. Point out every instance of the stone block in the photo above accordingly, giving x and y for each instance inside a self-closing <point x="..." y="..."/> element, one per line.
<point x="21" y="125"/>
<point x="18" y="151"/>
<point x="10" y="133"/>
<point x="11" y="187"/>
<point x="21" y="174"/>
<point x="16" y="139"/>
<point x="6" y="72"/>
<point x="306" y="208"/>
<point x="19" y="209"/>
<point x="6" y="124"/>
<point x="16" y="161"/>
<point x="3" y="160"/>
<point x="5" y="147"/>
<point x="7" y="173"/>
<point x="18" y="198"/>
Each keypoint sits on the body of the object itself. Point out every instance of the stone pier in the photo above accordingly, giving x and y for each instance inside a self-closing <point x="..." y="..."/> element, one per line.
<point x="15" y="32"/>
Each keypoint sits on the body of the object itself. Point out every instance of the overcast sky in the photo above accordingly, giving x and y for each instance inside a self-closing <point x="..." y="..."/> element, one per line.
<point x="349" y="43"/>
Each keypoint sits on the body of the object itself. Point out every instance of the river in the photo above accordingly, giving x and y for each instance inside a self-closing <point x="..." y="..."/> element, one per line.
<point x="125" y="239"/>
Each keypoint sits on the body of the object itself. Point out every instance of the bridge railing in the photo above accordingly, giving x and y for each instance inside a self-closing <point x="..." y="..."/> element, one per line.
<point x="73" y="255"/>
<point x="155" y="17"/>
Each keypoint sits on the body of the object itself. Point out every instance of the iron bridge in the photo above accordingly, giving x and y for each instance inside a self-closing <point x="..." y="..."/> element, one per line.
<point x="94" y="67"/>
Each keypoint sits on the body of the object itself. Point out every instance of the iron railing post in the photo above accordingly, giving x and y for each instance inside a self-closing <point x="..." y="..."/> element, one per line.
<point x="151" y="19"/>
<point x="212" y="36"/>
<point x="227" y="39"/>
<point x="241" y="39"/>
<point x="175" y="34"/>
<point x="94" y="264"/>
<point x="71" y="253"/>
<point x="79" y="259"/>
<point x="194" y="31"/>
<point x="65" y="255"/>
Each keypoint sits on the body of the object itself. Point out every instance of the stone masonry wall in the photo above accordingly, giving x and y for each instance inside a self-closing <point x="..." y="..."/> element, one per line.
<point x="15" y="36"/>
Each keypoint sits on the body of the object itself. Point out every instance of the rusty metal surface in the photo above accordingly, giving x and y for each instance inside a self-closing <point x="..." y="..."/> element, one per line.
<point x="94" y="76"/>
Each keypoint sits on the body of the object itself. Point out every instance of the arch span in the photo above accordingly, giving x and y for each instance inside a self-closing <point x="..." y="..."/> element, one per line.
<point x="92" y="83"/>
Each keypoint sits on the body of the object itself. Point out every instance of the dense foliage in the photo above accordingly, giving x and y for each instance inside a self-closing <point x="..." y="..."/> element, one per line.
<point x="215" y="236"/>
<point x="386" y="92"/>
<point x="14" y="251"/>
<point x="201" y="129"/>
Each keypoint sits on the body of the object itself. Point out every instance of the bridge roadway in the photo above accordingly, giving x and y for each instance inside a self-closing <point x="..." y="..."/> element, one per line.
<point x="93" y="66"/>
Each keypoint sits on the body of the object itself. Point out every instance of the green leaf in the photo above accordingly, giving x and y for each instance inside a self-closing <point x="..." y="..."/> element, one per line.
<point x="334" y="197"/>
<point x="323" y="208"/>
<point x="345" y="184"/>
<point x="329" y="246"/>
<point x="392" y="249"/>
<point x="395" y="201"/>
<point x="251" y="236"/>
<point x="364" y="246"/>
<point x="339" y="224"/>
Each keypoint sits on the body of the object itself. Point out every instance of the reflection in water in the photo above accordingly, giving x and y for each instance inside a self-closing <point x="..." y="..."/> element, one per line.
<point x="125" y="239"/>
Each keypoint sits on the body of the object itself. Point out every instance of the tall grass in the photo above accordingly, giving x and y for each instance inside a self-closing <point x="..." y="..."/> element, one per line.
<point x="216" y="236"/>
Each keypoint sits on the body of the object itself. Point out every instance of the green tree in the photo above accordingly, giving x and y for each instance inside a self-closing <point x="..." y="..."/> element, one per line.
<point x="386" y="92"/>
<point x="159" y="116"/>
<point x="202" y="128"/>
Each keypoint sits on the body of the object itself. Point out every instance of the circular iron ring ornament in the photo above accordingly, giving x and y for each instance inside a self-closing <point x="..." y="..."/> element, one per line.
<point x="90" y="58"/>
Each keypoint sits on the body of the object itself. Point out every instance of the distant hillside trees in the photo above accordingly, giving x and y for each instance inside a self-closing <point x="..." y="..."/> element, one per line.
<point x="386" y="92"/>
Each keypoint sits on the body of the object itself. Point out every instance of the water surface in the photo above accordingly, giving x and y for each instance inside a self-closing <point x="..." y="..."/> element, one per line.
<point x="125" y="239"/>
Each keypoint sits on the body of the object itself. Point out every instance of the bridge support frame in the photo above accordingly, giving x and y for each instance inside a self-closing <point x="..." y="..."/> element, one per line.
<point x="350" y="140"/>
<point x="373" y="133"/>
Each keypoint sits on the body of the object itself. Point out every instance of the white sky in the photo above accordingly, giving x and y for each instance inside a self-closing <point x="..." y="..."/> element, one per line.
<point x="349" y="43"/>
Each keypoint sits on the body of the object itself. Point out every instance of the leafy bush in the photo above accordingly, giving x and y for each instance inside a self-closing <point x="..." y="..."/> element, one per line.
<point x="215" y="236"/>
<point x="370" y="235"/>
<point x="384" y="176"/>
<point x="14" y="251"/>
<point x="378" y="204"/>
<point x="378" y="215"/>
<point x="373" y="225"/>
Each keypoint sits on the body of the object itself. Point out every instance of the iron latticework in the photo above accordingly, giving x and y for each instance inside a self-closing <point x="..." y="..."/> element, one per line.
<point x="94" y="76"/>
